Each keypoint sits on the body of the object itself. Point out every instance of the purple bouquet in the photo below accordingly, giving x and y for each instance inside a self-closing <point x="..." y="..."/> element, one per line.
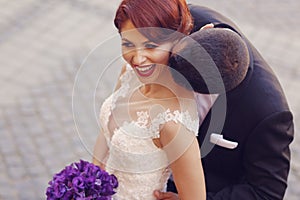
<point x="82" y="181"/>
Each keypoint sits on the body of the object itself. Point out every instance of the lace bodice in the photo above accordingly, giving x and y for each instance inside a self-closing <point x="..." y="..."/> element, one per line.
<point x="140" y="166"/>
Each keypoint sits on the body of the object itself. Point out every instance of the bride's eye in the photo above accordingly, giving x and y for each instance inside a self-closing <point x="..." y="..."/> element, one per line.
<point x="151" y="46"/>
<point x="127" y="44"/>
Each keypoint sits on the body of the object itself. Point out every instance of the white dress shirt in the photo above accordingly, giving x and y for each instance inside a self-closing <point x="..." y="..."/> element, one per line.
<point x="204" y="103"/>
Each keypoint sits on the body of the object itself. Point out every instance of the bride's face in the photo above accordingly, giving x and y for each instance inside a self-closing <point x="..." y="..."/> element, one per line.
<point x="147" y="58"/>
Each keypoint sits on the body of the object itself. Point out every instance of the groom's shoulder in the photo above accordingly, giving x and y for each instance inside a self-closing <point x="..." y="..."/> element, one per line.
<point x="264" y="94"/>
<point x="194" y="7"/>
<point x="203" y="15"/>
<point x="198" y="11"/>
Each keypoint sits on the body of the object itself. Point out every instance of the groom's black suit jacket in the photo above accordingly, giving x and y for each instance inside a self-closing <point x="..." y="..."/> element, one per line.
<point x="258" y="118"/>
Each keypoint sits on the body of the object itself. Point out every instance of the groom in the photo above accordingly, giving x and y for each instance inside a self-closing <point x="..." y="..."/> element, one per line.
<point x="250" y="158"/>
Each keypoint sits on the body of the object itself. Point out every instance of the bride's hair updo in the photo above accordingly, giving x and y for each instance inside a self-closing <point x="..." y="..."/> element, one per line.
<point x="167" y="14"/>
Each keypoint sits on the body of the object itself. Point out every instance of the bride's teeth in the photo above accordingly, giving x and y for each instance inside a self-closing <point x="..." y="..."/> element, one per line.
<point x="143" y="69"/>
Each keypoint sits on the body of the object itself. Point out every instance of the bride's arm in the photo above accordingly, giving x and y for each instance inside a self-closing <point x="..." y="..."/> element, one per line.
<point x="100" y="151"/>
<point x="183" y="151"/>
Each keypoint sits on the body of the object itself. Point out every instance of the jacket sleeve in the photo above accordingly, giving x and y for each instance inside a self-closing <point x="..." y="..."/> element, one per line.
<point x="266" y="161"/>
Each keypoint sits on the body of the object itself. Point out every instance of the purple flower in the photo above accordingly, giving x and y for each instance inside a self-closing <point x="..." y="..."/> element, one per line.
<point x="78" y="183"/>
<point x="59" y="190"/>
<point x="82" y="181"/>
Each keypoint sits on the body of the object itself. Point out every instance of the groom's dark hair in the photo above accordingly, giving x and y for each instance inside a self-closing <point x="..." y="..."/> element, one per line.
<point x="212" y="60"/>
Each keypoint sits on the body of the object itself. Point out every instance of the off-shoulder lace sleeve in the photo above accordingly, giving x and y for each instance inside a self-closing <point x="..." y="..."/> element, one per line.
<point x="176" y="116"/>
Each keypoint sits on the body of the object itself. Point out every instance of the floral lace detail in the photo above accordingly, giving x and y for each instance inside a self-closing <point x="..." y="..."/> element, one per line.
<point x="183" y="117"/>
<point x="110" y="103"/>
<point x="143" y="117"/>
<point x="123" y="90"/>
<point x="140" y="129"/>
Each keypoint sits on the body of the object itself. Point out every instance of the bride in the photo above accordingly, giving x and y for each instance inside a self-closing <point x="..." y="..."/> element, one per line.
<point x="149" y="124"/>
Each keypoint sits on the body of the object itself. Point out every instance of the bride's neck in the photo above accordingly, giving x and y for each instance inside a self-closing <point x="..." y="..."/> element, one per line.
<point x="166" y="90"/>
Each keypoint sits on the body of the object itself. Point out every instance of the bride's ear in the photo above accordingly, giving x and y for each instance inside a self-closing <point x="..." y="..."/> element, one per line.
<point x="174" y="43"/>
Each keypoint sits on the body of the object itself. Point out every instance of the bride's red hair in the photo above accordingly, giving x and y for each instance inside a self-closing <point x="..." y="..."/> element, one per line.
<point x="168" y="14"/>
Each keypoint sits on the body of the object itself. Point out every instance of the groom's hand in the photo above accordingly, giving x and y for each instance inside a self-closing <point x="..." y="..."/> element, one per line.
<point x="165" y="195"/>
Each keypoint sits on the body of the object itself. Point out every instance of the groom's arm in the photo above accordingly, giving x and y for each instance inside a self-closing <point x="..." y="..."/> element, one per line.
<point x="266" y="161"/>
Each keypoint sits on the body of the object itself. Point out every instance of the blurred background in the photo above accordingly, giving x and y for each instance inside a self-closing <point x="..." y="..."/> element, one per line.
<point x="44" y="46"/>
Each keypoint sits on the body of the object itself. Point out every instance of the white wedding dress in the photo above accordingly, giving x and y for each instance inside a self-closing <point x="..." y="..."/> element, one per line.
<point x="140" y="166"/>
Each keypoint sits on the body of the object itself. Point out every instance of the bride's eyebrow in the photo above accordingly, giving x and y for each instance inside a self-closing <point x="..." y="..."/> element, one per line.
<point x="125" y="39"/>
<point x="147" y="41"/>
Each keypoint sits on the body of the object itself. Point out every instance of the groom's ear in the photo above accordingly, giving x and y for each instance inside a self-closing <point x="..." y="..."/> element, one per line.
<point x="174" y="43"/>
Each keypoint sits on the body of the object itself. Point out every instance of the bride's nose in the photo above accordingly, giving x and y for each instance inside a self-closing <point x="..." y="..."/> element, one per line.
<point x="139" y="56"/>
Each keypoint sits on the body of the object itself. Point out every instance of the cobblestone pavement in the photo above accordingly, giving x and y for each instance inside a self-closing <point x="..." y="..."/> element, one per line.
<point x="42" y="46"/>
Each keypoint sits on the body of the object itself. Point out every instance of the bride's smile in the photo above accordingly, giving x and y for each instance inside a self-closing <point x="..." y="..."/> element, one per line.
<point x="148" y="58"/>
